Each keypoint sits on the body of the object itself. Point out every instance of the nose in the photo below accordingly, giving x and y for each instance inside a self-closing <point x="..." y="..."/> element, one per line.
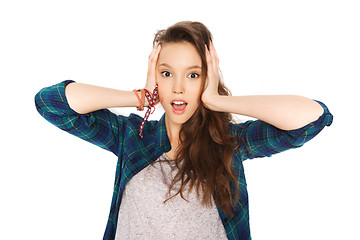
<point x="178" y="87"/>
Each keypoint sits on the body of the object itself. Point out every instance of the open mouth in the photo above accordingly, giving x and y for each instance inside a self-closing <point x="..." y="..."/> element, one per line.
<point x="178" y="106"/>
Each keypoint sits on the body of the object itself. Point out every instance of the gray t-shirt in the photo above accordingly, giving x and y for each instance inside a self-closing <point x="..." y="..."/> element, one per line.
<point x="143" y="215"/>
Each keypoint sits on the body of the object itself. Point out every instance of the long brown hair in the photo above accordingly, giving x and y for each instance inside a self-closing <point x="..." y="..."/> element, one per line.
<point x="206" y="146"/>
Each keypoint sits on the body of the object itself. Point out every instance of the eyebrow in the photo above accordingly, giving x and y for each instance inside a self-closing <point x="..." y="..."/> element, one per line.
<point x="190" y="67"/>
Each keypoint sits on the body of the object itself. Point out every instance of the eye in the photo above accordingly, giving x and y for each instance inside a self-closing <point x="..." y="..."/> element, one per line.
<point x="194" y="75"/>
<point x="166" y="74"/>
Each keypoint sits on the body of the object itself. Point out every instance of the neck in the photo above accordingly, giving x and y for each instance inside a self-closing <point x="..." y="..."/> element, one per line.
<point x="173" y="130"/>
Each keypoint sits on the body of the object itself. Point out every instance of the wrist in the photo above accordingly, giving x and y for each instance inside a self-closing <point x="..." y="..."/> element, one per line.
<point x="150" y="87"/>
<point x="211" y="102"/>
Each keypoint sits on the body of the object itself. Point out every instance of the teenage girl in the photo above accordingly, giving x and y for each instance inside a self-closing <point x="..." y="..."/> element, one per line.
<point x="181" y="177"/>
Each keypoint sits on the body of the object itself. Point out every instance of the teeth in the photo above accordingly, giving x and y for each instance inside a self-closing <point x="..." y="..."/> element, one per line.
<point x="178" y="102"/>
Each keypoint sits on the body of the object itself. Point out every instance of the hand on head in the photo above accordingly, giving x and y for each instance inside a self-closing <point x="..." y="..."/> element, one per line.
<point x="213" y="78"/>
<point x="153" y="57"/>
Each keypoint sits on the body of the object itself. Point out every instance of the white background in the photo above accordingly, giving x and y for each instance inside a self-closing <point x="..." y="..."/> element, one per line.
<point x="57" y="186"/>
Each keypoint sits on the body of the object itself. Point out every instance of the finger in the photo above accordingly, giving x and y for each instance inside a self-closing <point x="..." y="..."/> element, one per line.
<point x="212" y="72"/>
<point x="155" y="48"/>
<point x="156" y="52"/>
<point x="213" y="52"/>
<point x="215" y="62"/>
<point x="209" y="60"/>
<point x="154" y="55"/>
<point x="208" y="55"/>
<point x="152" y="61"/>
<point x="151" y="54"/>
<point x="212" y="55"/>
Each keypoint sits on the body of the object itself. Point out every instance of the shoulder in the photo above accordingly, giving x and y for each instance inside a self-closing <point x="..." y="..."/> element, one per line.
<point x="136" y="120"/>
<point x="133" y="123"/>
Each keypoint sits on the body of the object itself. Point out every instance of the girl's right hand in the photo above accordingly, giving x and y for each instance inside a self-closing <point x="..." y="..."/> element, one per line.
<point x="151" y="75"/>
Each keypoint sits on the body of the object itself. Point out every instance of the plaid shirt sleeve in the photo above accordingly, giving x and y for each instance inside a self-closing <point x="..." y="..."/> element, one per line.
<point x="102" y="128"/>
<point x="263" y="140"/>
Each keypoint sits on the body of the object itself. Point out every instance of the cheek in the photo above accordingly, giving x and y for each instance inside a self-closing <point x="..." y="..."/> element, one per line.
<point x="197" y="89"/>
<point x="162" y="90"/>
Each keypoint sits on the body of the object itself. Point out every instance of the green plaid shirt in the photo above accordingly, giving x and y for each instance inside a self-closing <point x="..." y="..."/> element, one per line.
<point x="120" y="135"/>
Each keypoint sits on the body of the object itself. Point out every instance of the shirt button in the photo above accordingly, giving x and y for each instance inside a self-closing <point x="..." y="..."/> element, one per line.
<point x="226" y="220"/>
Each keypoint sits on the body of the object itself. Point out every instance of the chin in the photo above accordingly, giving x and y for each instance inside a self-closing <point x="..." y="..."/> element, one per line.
<point x="178" y="119"/>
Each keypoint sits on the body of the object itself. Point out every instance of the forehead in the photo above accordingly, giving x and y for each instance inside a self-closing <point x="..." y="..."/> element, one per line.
<point x="181" y="54"/>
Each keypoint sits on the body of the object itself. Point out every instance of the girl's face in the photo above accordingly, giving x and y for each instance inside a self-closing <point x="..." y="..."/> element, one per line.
<point x="179" y="79"/>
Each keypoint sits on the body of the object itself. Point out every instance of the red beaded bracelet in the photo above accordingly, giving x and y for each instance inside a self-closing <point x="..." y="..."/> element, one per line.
<point x="142" y="100"/>
<point x="151" y="99"/>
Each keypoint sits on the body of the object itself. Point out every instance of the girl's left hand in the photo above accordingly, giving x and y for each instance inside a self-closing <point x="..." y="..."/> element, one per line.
<point x="213" y="78"/>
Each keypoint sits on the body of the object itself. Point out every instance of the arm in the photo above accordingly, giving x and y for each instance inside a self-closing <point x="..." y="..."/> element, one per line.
<point x="81" y="109"/>
<point x="285" y="112"/>
<point x="85" y="98"/>
<point x="285" y="121"/>
<point x="262" y="139"/>
<point x="100" y="127"/>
